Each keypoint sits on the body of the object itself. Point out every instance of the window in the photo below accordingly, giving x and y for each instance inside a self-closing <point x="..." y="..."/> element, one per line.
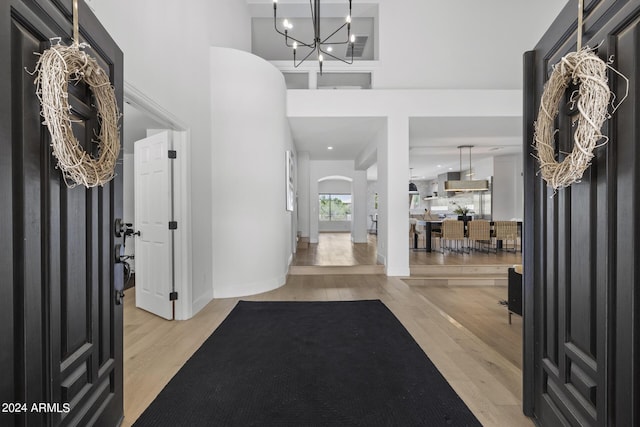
<point x="335" y="207"/>
<point x="414" y="202"/>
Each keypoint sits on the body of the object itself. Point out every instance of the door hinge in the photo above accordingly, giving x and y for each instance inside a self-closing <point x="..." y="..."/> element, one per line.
<point x="173" y="296"/>
<point x="173" y="154"/>
<point x="173" y="225"/>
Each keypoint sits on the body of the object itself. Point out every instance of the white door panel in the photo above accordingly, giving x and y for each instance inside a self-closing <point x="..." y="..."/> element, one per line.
<point x="154" y="263"/>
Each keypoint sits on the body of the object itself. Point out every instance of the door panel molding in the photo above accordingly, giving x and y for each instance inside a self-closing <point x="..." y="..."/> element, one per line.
<point x="65" y="339"/>
<point x="581" y="337"/>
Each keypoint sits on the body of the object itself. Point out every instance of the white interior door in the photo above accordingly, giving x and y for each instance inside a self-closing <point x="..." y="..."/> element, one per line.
<point x="154" y="246"/>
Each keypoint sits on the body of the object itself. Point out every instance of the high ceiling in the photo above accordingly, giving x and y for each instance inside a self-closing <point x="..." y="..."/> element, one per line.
<point x="347" y="136"/>
<point x="494" y="34"/>
<point x="434" y="142"/>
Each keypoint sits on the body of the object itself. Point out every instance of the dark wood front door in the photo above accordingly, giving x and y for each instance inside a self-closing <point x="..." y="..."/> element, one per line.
<point x="582" y="245"/>
<point x="61" y="327"/>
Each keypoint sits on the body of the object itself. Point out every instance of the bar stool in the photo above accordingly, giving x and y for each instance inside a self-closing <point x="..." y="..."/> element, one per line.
<point x="452" y="229"/>
<point x="479" y="231"/>
<point x="505" y="231"/>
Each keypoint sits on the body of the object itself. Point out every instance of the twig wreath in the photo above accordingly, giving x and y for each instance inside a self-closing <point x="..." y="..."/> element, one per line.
<point x="56" y="67"/>
<point x="586" y="69"/>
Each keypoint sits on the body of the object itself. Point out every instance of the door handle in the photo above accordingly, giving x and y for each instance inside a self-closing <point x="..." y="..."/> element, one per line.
<point x="119" y="296"/>
<point x="119" y="253"/>
<point x="124" y="229"/>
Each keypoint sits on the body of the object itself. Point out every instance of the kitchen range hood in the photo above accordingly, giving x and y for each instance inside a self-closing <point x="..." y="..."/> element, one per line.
<point x="466" y="185"/>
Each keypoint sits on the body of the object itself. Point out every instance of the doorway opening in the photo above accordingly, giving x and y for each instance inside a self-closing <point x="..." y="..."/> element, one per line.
<point x="338" y="242"/>
<point x="143" y="119"/>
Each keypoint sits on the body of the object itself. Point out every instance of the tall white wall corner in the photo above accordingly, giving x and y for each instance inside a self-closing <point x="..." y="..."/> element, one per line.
<point x="251" y="227"/>
<point x="508" y="187"/>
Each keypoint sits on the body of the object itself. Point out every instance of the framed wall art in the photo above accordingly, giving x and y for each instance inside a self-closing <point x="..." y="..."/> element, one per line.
<point x="290" y="176"/>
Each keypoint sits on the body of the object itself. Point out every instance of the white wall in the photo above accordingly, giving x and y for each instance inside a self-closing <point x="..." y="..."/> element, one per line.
<point x="446" y="56"/>
<point x="334" y="186"/>
<point x="508" y="187"/>
<point x="166" y="57"/>
<point x="250" y="135"/>
<point x="229" y="24"/>
<point x="483" y="168"/>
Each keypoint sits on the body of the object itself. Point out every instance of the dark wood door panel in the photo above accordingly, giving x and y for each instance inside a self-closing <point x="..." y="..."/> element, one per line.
<point x="581" y="274"/>
<point x="625" y="292"/>
<point x="64" y="345"/>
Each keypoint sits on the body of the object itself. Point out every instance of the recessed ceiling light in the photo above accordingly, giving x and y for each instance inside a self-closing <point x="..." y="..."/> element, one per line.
<point x="329" y="148"/>
<point x="439" y="166"/>
<point x="450" y="169"/>
<point x="330" y="49"/>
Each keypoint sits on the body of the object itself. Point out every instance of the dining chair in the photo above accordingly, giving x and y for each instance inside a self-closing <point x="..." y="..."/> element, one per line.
<point x="505" y="231"/>
<point x="374" y="224"/>
<point x="452" y="230"/>
<point x="415" y="231"/>
<point x="479" y="231"/>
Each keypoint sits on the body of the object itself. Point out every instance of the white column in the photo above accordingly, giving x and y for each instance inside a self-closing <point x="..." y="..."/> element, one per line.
<point x="359" y="207"/>
<point x="313" y="204"/>
<point x="303" y="193"/>
<point x="396" y="206"/>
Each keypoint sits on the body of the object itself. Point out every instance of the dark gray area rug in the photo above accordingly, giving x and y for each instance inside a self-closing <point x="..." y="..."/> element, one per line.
<point x="308" y="364"/>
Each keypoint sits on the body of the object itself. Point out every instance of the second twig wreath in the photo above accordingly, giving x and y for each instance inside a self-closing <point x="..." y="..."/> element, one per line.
<point x="586" y="69"/>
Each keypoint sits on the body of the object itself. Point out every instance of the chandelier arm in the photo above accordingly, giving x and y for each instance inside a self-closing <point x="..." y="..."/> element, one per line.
<point x="300" y="43"/>
<point x="275" y="20"/>
<point x="275" y="26"/>
<point x="287" y="36"/>
<point x="303" y="59"/>
<point x="335" y="57"/>
<point x="334" y="33"/>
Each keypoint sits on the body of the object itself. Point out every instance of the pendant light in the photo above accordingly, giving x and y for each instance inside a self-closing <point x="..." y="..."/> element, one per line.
<point x="469" y="184"/>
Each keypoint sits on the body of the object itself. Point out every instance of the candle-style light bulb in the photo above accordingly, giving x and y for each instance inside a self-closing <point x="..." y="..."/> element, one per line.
<point x="295" y="45"/>
<point x="320" y="58"/>
<point x="353" y="38"/>
<point x="285" y="23"/>
<point x="349" y="19"/>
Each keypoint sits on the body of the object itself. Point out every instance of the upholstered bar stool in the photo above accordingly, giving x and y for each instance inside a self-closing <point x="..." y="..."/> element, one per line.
<point x="452" y="230"/>
<point x="479" y="232"/>
<point x="505" y="231"/>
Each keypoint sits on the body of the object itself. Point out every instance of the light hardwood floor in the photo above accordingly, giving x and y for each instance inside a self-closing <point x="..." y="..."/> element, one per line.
<point x="487" y="381"/>
<point x="478" y="309"/>
<point x="336" y="249"/>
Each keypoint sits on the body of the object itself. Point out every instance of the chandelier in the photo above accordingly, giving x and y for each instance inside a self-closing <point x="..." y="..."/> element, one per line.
<point x="319" y="45"/>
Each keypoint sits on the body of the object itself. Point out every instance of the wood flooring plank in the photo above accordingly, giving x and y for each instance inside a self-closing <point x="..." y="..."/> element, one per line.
<point x="155" y="348"/>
